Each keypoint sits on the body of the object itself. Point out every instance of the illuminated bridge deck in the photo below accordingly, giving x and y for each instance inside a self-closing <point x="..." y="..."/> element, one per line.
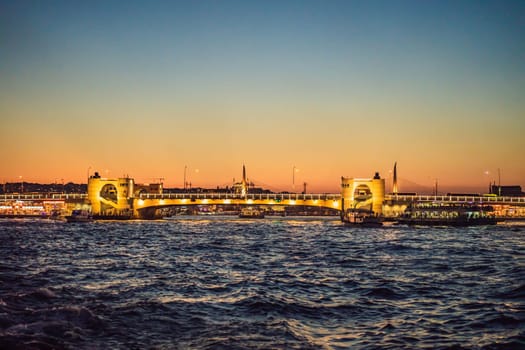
<point x="274" y="197"/>
<point x="249" y="196"/>
<point x="146" y="200"/>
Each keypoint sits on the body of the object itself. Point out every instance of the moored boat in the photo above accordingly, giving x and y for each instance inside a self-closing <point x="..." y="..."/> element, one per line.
<point x="251" y="213"/>
<point x="437" y="214"/>
<point x="80" y="216"/>
<point x="362" y="218"/>
<point x="460" y="221"/>
<point x="112" y="217"/>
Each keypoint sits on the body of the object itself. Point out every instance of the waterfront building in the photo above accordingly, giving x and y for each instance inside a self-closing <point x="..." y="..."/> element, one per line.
<point x="507" y="191"/>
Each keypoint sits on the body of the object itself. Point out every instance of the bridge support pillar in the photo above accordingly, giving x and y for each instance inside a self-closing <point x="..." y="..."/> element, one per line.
<point x="149" y="213"/>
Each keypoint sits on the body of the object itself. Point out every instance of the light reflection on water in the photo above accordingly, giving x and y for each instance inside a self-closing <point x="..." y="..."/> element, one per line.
<point x="272" y="283"/>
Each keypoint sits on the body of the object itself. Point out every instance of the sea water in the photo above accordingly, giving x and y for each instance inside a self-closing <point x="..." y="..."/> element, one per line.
<point x="287" y="283"/>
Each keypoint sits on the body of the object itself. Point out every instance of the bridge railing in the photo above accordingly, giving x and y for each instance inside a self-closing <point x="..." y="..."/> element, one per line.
<point x="236" y="196"/>
<point x="275" y="196"/>
<point x="458" y="199"/>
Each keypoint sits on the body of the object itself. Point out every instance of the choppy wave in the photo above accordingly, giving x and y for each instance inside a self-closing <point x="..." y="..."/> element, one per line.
<point x="246" y="284"/>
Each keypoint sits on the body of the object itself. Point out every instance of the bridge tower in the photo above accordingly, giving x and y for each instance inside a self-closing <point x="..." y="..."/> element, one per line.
<point x="111" y="197"/>
<point x="366" y="194"/>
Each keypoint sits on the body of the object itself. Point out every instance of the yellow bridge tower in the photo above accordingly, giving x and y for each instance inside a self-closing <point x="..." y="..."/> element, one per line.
<point x="366" y="194"/>
<point x="111" y="197"/>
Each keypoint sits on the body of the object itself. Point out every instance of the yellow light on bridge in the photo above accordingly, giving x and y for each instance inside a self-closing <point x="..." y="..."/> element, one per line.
<point x="292" y="202"/>
<point x="335" y="204"/>
<point x="204" y="201"/>
<point x="249" y="201"/>
<point x="161" y="201"/>
<point x="227" y="201"/>
<point x="184" y="200"/>
<point x="140" y="202"/>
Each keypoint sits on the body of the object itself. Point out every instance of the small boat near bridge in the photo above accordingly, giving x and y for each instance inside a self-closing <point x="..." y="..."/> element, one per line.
<point x="251" y="213"/>
<point x="79" y="215"/>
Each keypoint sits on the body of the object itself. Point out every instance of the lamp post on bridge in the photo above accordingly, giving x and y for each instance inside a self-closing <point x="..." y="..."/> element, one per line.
<point x="294" y="170"/>
<point x="196" y="172"/>
<point x="499" y="182"/>
<point x="187" y="182"/>
<point x="185" y="168"/>
<point x="487" y="173"/>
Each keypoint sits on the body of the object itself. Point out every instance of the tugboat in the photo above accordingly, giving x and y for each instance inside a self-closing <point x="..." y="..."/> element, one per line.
<point x="251" y="213"/>
<point x="79" y="215"/>
<point x="361" y="218"/>
<point x="437" y="214"/>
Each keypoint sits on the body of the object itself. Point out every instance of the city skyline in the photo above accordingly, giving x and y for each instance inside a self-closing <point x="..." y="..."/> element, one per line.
<point x="406" y="185"/>
<point x="340" y="88"/>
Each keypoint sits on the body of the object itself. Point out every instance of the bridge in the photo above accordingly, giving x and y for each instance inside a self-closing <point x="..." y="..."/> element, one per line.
<point x="123" y="198"/>
<point x="392" y="205"/>
<point x="272" y="198"/>
<point x="145" y="205"/>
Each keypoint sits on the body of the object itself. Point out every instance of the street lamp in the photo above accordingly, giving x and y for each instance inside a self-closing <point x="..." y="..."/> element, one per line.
<point x="186" y="182"/>
<point x="487" y="174"/>
<point x="196" y="171"/>
<point x="499" y="182"/>
<point x="293" y="178"/>
<point x="185" y="167"/>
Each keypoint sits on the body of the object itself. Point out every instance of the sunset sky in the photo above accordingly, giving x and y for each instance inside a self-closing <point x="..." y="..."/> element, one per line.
<point x="334" y="88"/>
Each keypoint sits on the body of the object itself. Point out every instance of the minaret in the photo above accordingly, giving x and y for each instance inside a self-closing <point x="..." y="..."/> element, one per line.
<point x="244" y="183"/>
<point x="394" y="186"/>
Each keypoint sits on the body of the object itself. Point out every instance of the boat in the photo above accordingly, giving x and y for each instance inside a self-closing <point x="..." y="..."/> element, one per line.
<point x="79" y="215"/>
<point x="362" y="218"/>
<point x="441" y="214"/>
<point x="251" y="213"/>
<point x="112" y="217"/>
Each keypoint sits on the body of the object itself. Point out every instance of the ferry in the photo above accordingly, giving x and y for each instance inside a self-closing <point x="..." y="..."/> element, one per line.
<point x="79" y="216"/>
<point x="362" y="218"/>
<point x="438" y="214"/>
<point x="251" y="213"/>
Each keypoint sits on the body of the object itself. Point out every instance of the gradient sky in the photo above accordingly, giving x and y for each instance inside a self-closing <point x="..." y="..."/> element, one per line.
<point x="333" y="88"/>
